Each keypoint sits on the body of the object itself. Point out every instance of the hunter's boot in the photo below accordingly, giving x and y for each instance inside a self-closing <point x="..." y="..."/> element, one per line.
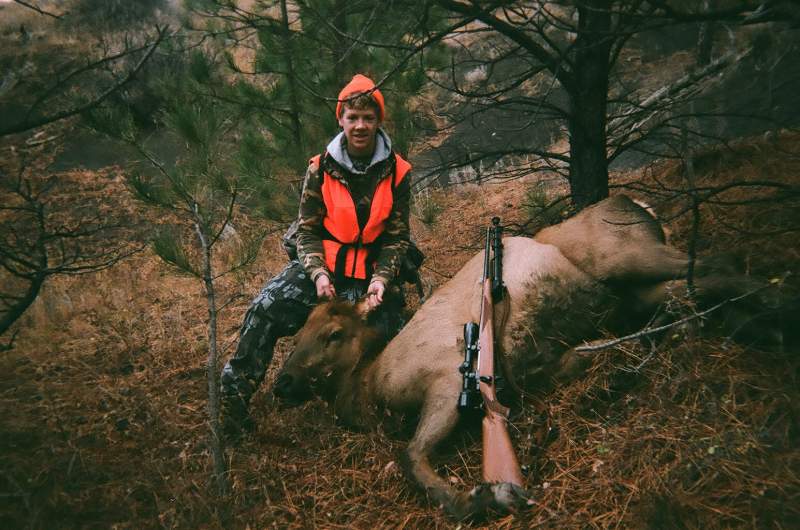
<point x="235" y="420"/>
<point x="242" y="375"/>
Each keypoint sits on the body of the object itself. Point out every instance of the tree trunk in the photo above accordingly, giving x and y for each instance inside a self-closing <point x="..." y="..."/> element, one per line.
<point x="294" y="102"/>
<point x="705" y="36"/>
<point x="212" y="368"/>
<point x="694" y="233"/>
<point x="588" y="173"/>
<point x="705" y="43"/>
<point x="18" y="309"/>
<point x="340" y="22"/>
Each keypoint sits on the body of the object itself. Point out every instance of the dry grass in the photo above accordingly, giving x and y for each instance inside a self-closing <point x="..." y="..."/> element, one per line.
<point x="104" y="400"/>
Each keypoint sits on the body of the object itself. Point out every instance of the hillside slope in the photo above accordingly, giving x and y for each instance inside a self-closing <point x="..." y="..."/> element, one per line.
<point x="104" y="400"/>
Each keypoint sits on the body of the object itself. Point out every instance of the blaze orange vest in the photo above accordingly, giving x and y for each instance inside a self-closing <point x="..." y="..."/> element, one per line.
<point x="348" y="245"/>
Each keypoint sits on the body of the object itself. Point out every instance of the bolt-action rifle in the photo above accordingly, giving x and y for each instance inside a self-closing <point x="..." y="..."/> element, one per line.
<point x="499" y="460"/>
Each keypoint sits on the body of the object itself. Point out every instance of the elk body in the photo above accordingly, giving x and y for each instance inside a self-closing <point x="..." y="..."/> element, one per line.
<point x="608" y="266"/>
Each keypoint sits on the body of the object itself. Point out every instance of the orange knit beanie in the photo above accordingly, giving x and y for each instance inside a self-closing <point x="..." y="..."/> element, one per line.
<point x="360" y="83"/>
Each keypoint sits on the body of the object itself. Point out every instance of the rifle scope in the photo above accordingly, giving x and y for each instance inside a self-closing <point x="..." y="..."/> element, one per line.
<point x="470" y="397"/>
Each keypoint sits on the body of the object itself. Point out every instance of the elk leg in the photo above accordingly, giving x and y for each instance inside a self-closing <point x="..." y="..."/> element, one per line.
<point x="648" y="263"/>
<point x="754" y="317"/>
<point x="438" y="419"/>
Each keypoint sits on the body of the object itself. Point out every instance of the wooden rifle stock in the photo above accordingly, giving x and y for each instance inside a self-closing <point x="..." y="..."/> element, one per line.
<point x="499" y="459"/>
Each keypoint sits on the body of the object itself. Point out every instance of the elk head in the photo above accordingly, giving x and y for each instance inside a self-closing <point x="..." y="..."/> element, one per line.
<point x="334" y="341"/>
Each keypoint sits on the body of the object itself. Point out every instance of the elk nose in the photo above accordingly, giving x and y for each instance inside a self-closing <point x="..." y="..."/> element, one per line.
<point x="283" y="385"/>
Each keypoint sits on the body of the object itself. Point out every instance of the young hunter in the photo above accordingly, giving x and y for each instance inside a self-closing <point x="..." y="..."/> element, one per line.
<point x="351" y="236"/>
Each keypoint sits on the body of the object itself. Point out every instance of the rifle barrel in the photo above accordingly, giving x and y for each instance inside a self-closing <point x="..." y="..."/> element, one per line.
<point x="497" y="261"/>
<point x="500" y="463"/>
<point x="487" y="251"/>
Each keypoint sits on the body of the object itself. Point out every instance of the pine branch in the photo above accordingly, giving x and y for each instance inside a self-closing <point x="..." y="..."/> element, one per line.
<point x="26" y="125"/>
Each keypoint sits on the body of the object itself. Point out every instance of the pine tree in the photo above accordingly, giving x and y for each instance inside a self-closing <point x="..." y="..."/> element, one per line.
<point x="305" y="52"/>
<point x="221" y="175"/>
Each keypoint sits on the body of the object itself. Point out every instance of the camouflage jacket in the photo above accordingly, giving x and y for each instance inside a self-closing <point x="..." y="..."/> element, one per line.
<point x="393" y="243"/>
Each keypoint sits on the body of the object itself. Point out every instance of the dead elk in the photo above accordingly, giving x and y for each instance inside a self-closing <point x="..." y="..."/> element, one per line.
<point x="609" y="262"/>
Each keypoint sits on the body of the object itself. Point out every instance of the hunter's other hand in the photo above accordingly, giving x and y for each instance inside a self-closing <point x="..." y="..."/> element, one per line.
<point x="325" y="287"/>
<point x="375" y="293"/>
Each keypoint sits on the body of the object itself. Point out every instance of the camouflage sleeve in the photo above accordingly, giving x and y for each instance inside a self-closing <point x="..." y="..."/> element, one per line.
<point x="395" y="237"/>
<point x="309" y="229"/>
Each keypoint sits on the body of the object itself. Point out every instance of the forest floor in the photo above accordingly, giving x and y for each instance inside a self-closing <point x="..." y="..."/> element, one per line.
<point x="104" y="396"/>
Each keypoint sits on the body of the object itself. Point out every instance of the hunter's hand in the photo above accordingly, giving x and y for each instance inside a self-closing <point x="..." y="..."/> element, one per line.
<point x="375" y="293"/>
<point x="325" y="287"/>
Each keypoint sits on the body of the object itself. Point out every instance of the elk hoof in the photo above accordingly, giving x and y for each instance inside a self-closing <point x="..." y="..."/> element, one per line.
<point x="509" y="497"/>
<point x="464" y="507"/>
<point x="481" y="497"/>
<point x="504" y="497"/>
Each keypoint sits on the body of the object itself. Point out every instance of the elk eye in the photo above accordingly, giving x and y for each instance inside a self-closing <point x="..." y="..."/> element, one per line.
<point x="335" y="335"/>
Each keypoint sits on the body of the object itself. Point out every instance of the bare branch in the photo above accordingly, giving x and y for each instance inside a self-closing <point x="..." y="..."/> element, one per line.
<point x="28" y="125"/>
<point x="37" y="9"/>
<point x="553" y="63"/>
<point x="652" y="331"/>
<point x="10" y="344"/>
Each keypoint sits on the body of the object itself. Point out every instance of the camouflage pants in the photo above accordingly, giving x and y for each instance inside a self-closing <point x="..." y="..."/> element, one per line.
<point x="279" y="310"/>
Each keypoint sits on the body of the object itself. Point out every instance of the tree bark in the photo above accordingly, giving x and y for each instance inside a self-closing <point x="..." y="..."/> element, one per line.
<point x="588" y="173"/>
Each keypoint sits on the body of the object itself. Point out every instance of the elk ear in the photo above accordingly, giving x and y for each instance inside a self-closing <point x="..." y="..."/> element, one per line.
<point x="363" y="309"/>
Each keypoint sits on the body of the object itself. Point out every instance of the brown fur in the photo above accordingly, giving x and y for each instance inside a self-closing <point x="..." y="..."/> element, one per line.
<point x="607" y="266"/>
